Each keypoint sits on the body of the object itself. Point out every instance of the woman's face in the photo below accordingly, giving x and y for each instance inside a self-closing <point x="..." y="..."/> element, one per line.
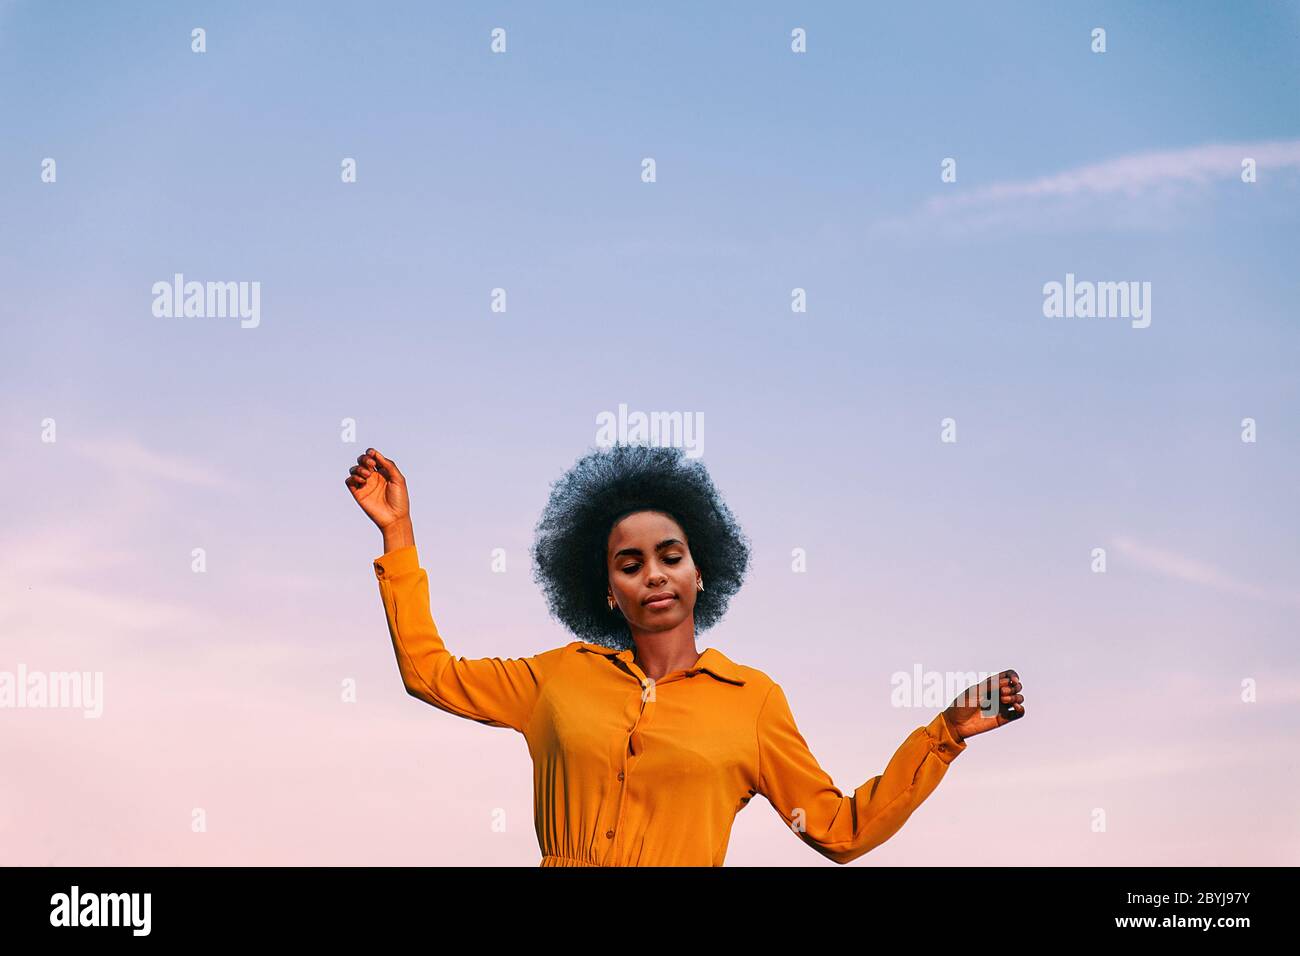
<point x="648" y="556"/>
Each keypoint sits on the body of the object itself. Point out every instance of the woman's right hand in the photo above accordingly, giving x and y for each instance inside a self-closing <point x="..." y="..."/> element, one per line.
<point x="380" y="489"/>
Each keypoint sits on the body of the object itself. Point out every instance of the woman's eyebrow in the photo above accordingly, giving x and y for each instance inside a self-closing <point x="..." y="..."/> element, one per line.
<point x="637" y="551"/>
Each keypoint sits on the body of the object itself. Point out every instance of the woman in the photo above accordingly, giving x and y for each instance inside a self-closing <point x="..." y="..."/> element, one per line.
<point x="644" y="750"/>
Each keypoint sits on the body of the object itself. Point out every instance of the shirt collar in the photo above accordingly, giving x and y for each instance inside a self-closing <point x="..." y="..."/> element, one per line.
<point x="712" y="660"/>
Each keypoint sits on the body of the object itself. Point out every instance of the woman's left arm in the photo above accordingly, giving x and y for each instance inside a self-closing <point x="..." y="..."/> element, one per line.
<point x="843" y="828"/>
<point x="838" y="826"/>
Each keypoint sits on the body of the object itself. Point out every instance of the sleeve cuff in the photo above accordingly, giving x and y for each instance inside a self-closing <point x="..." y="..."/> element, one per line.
<point x="944" y="742"/>
<point x="398" y="561"/>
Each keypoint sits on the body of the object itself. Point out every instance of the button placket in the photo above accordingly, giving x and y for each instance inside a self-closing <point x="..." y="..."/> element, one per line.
<point x="635" y="747"/>
<point x="613" y="833"/>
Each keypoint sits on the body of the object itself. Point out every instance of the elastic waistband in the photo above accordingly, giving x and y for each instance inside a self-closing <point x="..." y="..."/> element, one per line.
<point x="552" y="860"/>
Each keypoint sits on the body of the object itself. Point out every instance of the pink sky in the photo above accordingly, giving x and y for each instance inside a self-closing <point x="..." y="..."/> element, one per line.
<point x="222" y="692"/>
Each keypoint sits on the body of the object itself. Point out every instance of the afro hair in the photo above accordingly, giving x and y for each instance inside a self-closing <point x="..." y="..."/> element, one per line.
<point x="570" y="551"/>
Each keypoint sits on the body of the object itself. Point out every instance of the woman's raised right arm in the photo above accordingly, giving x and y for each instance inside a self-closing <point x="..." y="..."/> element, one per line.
<point x="495" y="691"/>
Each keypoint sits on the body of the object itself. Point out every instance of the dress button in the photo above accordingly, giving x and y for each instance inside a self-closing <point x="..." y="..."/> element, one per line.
<point x="610" y="834"/>
<point x="379" y="569"/>
<point x="620" y="775"/>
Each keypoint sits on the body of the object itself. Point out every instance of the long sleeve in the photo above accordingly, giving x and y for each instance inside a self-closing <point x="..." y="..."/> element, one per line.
<point x="490" y="690"/>
<point x="843" y="828"/>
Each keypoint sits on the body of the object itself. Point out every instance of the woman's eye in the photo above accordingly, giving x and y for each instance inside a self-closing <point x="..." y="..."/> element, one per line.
<point x="633" y="568"/>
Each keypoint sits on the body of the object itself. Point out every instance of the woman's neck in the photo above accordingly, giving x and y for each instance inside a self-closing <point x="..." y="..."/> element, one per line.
<point x="659" y="658"/>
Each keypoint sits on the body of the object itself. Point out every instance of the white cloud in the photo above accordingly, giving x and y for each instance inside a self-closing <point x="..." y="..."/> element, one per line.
<point x="1141" y="191"/>
<point x="128" y="457"/>
<point x="1174" y="565"/>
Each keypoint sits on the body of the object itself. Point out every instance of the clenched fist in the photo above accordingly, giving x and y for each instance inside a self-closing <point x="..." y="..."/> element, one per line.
<point x="380" y="489"/>
<point x="974" y="710"/>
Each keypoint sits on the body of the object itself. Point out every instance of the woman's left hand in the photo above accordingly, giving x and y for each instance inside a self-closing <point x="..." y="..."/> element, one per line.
<point x="973" y="711"/>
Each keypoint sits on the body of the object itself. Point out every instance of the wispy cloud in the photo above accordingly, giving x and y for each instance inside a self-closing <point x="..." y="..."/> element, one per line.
<point x="1140" y="190"/>
<point x="129" y="457"/>
<point x="1110" y="753"/>
<point x="1174" y="565"/>
<point x="96" y="526"/>
<point x="55" y="550"/>
<point x="1126" y="766"/>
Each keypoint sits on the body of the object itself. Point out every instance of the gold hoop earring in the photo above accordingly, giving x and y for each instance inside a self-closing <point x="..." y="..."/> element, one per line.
<point x="701" y="584"/>
<point x="610" y="598"/>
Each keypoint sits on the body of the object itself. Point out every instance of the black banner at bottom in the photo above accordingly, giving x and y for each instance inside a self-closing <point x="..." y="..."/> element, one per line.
<point x="578" y="906"/>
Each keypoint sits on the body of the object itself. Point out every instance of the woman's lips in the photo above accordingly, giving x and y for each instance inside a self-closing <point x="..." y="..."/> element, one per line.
<point x="662" y="602"/>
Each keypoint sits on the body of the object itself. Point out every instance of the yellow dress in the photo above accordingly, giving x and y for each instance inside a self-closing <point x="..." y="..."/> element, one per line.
<point x="629" y="771"/>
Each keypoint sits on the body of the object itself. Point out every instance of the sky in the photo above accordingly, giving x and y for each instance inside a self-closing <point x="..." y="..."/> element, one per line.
<point x="1161" y="694"/>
